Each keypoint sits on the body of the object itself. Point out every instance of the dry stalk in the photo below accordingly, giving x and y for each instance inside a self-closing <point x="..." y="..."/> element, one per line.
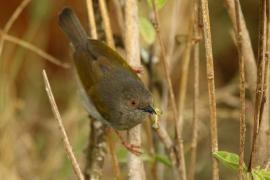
<point x="263" y="136"/>
<point x="168" y="143"/>
<point x="180" y="157"/>
<point x="11" y="21"/>
<point x="195" y="95"/>
<point x="119" y="14"/>
<point x="211" y="85"/>
<point x="184" y="72"/>
<point x="68" y="148"/>
<point x="111" y="144"/>
<point x="247" y="51"/>
<point x="107" y="24"/>
<point x="91" y="19"/>
<point x="110" y="41"/>
<point x="135" y="163"/>
<point x="34" y="49"/>
<point x="242" y="90"/>
<point x="195" y="114"/>
<point x="173" y="28"/>
<point x="115" y="163"/>
<point x="262" y="73"/>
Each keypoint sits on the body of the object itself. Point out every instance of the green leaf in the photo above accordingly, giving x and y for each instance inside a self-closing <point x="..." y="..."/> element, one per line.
<point x="257" y="176"/>
<point x="147" y="31"/>
<point x="159" y="3"/>
<point x="261" y="173"/>
<point x="230" y="160"/>
<point x="163" y="159"/>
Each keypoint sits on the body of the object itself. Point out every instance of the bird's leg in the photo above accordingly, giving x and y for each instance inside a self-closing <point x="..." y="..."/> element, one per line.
<point x="130" y="147"/>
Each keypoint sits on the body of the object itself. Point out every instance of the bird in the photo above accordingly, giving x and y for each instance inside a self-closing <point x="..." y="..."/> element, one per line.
<point x="114" y="92"/>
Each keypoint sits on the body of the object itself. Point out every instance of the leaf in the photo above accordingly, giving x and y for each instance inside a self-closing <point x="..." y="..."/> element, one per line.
<point x="261" y="173"/>
<point x="257" y="176"/>
<point x="159" y="3"/>
<point x="147" y="31"/>
<point x="163" y="159"/>
<point x="230" y="160"/>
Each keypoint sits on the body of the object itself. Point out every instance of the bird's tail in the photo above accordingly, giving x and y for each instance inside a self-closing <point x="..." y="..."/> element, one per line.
<point x="70" y="24"/>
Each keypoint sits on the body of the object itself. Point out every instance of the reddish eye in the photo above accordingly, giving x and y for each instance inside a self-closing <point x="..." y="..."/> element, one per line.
<point x="133" y="102"/>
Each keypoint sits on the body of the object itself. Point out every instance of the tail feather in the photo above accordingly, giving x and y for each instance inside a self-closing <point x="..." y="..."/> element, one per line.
<point x="70" y="24"/>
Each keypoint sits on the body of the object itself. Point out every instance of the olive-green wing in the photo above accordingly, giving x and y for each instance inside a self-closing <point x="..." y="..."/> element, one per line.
<point x="101" y="49"/>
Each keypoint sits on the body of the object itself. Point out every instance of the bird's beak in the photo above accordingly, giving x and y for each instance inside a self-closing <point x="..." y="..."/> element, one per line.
<point x="148" y="109"/>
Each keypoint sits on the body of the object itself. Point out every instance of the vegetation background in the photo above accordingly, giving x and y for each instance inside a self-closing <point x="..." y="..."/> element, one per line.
<point x="30" y="141"/>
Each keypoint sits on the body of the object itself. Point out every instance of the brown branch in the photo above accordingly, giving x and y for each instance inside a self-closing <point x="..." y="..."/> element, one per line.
<point x="263" y="58"/>
<point x="211" y="84"/>
<point x="91" y="19"/>
<point x="11" y="21"/>
<point x="168" y="143"/>
<point x="242" y="90"/>
<point x="57" y="115"/>
<point x="135" y="163"/>
<point x="107" y="24"/>
<point x="96" y="150"/>
<point x="247" y="51"/>
<point x="196" y="57"/>
<point x="34" y="49"/>
<point x="181" y="163"/>
<point x="110" y="41"/>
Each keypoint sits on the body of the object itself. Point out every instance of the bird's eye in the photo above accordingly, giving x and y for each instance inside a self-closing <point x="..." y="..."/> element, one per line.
<point x="133" y="102"/>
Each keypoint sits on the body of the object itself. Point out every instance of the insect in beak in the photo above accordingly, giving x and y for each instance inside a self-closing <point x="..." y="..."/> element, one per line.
<point x="148" y="109"/>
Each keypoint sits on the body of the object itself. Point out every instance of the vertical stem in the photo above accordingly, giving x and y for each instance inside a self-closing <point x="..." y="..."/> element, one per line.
<point x="247" y="51"/>
<point x="181" y="163"/>
<point x="135" y="163"/>
<point x="12" y="19"/>
<point x="107" y="24"/>
<point x="195" y="94"/>
<point x="211" y="85"/>
<point x="91" y="18"/>
<point x="110" y="41"/>
<point x="262" y="74"/>
<point x="242" y="90"/>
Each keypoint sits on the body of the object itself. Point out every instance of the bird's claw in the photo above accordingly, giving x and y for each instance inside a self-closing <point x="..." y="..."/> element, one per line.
<point x="137" y="70"/>
<point x="135" y="149"/>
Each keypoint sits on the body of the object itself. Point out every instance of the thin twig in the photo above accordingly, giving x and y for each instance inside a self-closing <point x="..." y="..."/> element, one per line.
<point x="242" y="90"/>
<point x="11" y="21"/>
<point x="168" y="143"/>
<point x="196" y="57"/>
<point x="262" y="74"/>
<point x="211" y="85"/>
<point x="91" y="19"/>
<point x="135" y="163"/>
<point x="68" y="148"/>
<point x="110" y="41"/>
<point x="107" y="24"/>
<point x="173" y="29"/>
<point x="115" y="162"/>
<point x="181" y="164"/>
<point x="92" y="27"/>
<point x="35" y="49"/>
<point x="247" y="51"/>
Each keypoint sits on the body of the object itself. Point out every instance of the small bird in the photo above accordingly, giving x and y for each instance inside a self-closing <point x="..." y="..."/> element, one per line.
<point x="115" y="94"/>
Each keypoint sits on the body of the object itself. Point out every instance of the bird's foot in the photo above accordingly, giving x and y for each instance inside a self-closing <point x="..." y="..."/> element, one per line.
<point x="135" y="149"/>
<point x="138" y="70"/>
